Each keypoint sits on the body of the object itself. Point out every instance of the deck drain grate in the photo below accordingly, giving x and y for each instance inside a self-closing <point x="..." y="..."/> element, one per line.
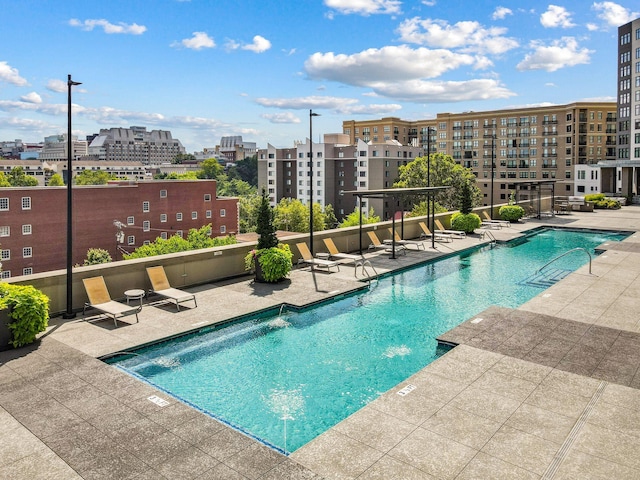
<point x="559" y="457"/>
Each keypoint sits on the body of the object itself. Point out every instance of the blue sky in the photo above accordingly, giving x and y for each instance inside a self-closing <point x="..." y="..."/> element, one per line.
<point x="204" y="69"/>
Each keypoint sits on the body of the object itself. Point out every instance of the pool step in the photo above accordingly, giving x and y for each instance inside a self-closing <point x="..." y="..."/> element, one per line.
<point x="546" y="278"/>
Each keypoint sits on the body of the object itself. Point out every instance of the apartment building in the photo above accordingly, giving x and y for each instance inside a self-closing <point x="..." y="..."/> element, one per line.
<point x="338" y="166"/>
<point x="134" y="144"/>
<point x="117" y="217"/>
<point x="622" y="174"/>
<point x="56" y="146"/>
<point x="526" y="144"/>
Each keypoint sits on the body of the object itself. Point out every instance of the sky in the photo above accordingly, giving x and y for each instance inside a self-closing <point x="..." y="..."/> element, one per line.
<point x="204" y="69"/>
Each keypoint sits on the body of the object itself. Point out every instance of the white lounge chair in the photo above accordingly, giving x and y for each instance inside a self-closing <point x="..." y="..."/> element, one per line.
<point x="160" y="286"/>
<point x="399" y="241"/>
<point x="455" y="233"/>
<point x="439" y="237"/>
<point x="489" y="220"/>
<point x="335" y="253"/>
<point x="376" y="244"/>
<point x="315" y="262"/>
<point x="100" y="299"/>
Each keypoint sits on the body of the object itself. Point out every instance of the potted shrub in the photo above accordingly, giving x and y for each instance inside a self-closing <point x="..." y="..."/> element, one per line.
<point x="25" y="312"/>
<point x="465" y="220"/>
<point x="271" y="260"/>
<point x="511" y="213"/>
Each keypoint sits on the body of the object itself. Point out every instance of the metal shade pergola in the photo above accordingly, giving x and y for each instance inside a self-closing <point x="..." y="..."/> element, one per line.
<point x="538" y="184"/>
<point x="399" y="194"/>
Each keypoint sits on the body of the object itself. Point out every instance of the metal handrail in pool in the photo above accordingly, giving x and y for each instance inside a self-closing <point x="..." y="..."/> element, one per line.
<point x="566" y="253"/>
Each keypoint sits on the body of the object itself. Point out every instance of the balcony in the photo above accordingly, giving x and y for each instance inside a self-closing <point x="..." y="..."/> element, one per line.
<point x="549" y="165"/>
<point x="549" y="122"/>
<point x="549" y="155"/>
<point x="554" y="133"/>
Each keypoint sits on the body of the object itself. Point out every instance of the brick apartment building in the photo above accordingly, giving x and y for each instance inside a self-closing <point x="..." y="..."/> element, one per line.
<point x="33" y="220"/>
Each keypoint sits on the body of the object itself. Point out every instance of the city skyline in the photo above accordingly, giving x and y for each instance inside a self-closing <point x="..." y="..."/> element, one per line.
<point x="254" y="69"/>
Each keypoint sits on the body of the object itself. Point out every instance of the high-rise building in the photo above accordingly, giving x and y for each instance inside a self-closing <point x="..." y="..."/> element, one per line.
<point x="134" y="144"/>
<point x="622" y="175"/>
<point x="526" y="144"/>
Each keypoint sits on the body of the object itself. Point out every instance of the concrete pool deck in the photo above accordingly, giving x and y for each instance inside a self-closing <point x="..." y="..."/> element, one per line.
<point x="503" y="404"/>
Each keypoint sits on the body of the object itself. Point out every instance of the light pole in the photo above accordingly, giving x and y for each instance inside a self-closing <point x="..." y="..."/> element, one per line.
<point x="311" y="115"/>
<point x="430" y="218"/>
<point x="493" y="164"/>
<point x="69" y="313"/>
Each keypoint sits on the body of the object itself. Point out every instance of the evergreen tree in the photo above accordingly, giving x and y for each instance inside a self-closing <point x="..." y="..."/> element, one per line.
<point x="265" y="227"/>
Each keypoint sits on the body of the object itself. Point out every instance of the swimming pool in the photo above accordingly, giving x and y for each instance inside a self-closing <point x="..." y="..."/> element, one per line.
<point x="285" y="379"/>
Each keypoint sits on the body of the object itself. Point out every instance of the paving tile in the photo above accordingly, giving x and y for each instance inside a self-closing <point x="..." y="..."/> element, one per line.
<point x="225" y="443"/>
<point x="522" y="449"/>
<point x="413" y="408"/>
<point x="616" y="417"/>
<point x="388" y="467"/>
<point x="40" y="465"/>
<point x="375" y="428"/>
<point x="616" y="372"/>
<point x="290" y="470"/>
<point x="558" y="401"/>
<point x="622" y="396"/>
<point x="461" y="426"/>
<point x="542" y="423"/>
<point x="433" y="454"/>
<point x="198" y="429"/>
<point x="522" y="369"/>
<point x="255" y="460"/>
<point x="571" y="383"/>
<point x="505" y="385"/>
<point x="459" y="371"/>
<point x="486" y="467"/>
<point x="434" y="386"/>
<point x="480" y="358"/>
<point x="485" y="404"/>
<point x="221" y="471"/>
<point x="186" y="464"/>
<point x="611" y="445"/>
<point x="334" y="455"/>
<point x="578" y="465"/>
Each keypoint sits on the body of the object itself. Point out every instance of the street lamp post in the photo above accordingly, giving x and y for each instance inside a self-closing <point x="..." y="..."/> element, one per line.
<point x="69" y="312"/>
<point x="311" y="115"/>
<point x="430" y="218"/>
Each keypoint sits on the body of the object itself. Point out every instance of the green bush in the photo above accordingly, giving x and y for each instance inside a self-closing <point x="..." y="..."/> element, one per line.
<point x="465" y="222"/>
<point x="275" y="262"/>
<point x="608" y="204"/>
<point x="594" y="197"/>
<point x="28" y="309"/>
<point x="511" y="213"/>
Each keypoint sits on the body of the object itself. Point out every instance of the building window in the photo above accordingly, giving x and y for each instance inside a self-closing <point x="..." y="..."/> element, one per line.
<point x="163" y="194"/>
<point x="179" y="233"/>
<point x="131" y="240"/>
<point x="5" y="231"/>
<point x="27" y="271"/>
<point x="146" y="226"/>
<point x="26" y="229"/>
<point x="179" y="216"/>
<point x="163" y="235"/>
<point x="223" y="212"/>
<point x="4" y="204"/>
<point x="223" y="229"/>
<point x="131" y="221"/>
<point x="207" y="197"/>
<point x="163" y="217"/>
<point x="27" y="252"/>
<point x="26" y="203"/>
<point x="145" y="206"/>
<point x="194" y="215"/>
<point x="6" y="255"/>
<point x="207" y="214"/>
<point x="6" y="274"/>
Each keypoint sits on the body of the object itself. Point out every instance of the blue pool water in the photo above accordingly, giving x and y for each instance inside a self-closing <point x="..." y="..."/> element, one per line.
<point x="287" y="378"/>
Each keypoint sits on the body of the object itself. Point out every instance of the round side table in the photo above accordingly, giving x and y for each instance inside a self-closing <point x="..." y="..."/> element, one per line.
<point x="135" y="294"/>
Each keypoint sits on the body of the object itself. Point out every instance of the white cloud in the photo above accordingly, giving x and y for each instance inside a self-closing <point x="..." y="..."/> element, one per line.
<point x="11" y="75"/>
<point x="561" y="53"/>
<point x="56" y="85"/>
<point x="198" y="41"/>
<point x="108" y="27"/>
<point x="429" y="3"/>
<point x="45" y="108"/>
<point x="259" y="45"/>
<point x="613" y="14"/>
<point x="468" y="36"/>
<point x="364" y="7"/>
<point x="592" y="27"/>
<point x="339" y="105"/>
<point x="32" y="97"/>
<point x="28" y="125"/>
<point x="556" y="16"/>
<point x="501" y="12"/>
<point x="285" y="117"/>
<point x="387" y="64"/>
<point x="442" y="92"/>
